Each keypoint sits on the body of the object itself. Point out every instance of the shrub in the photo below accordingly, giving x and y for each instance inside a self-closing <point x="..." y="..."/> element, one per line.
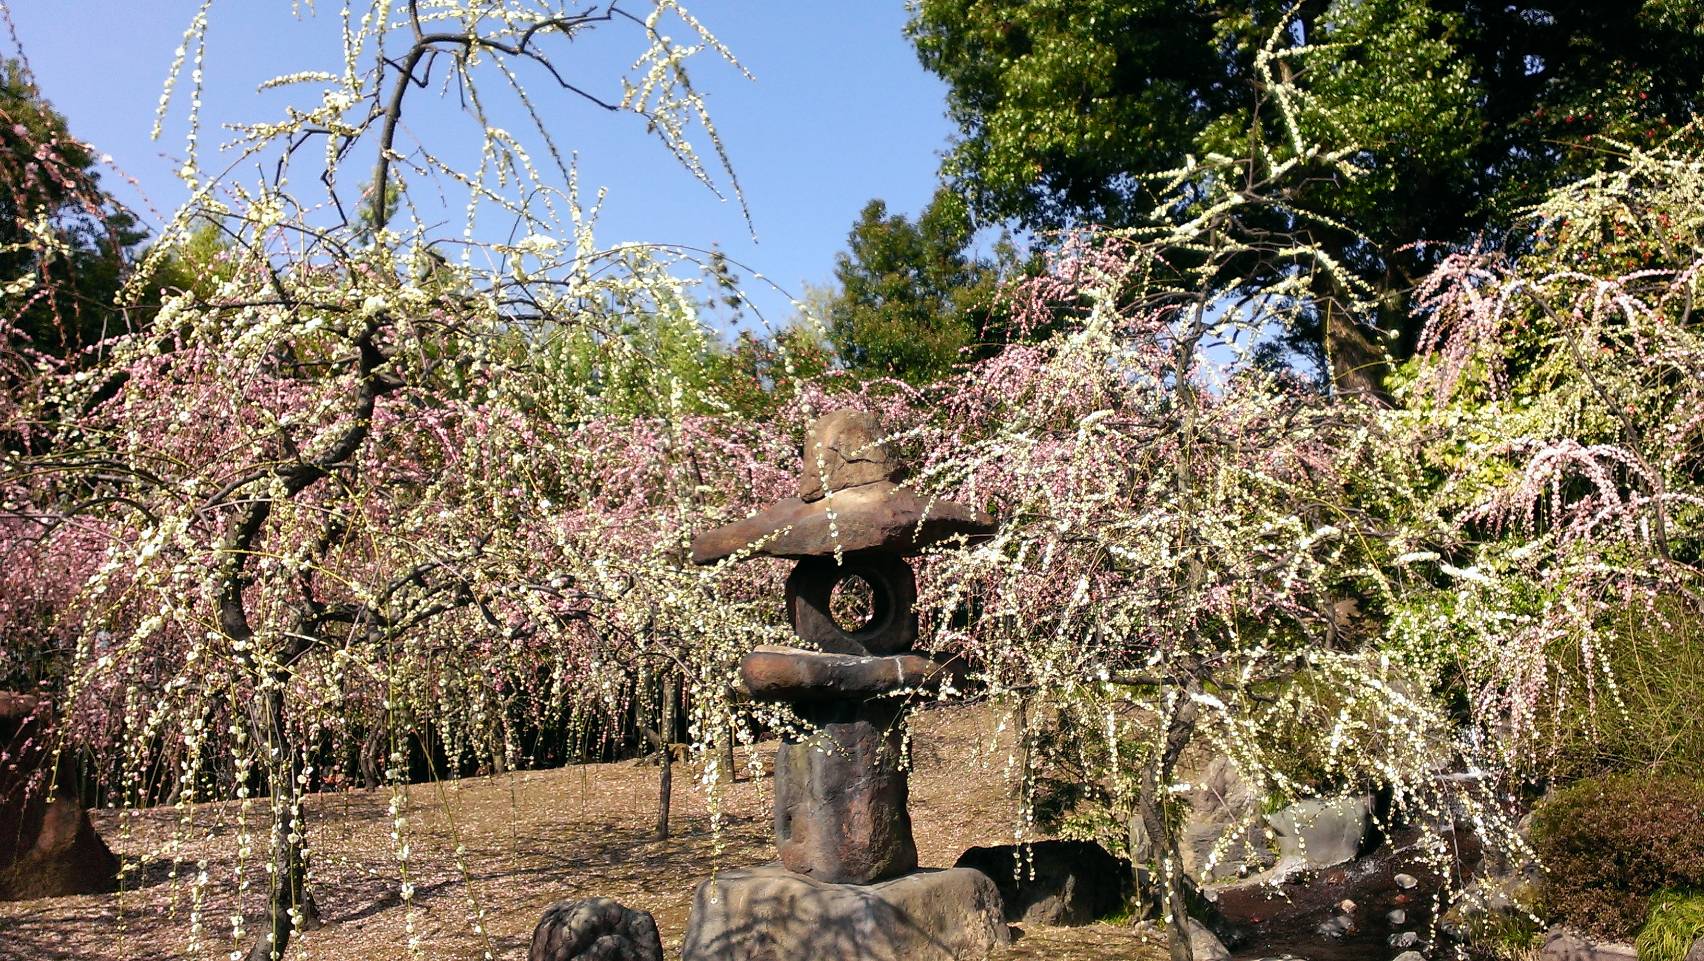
<point x="1609" y="844"/>
<point x="1675" y="923"/>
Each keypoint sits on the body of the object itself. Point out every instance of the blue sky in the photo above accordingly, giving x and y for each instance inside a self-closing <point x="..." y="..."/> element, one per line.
<point x="840" y="112"/>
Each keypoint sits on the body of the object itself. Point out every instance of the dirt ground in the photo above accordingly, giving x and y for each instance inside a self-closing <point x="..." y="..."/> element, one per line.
<point x="525" y="840"/>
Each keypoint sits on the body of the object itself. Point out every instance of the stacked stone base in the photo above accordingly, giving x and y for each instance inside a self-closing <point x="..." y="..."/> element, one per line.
<point x="771" y="914"/>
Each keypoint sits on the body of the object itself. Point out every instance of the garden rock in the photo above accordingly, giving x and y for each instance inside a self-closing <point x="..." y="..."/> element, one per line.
<point x="1697" y="952"/>
<point x="1564" y="945"/>
<point x="1054" y="882"/>
<point x="1222" y="826"/>
<point x="48" y="848"/>
<point x="843" y="446"/>
<point x="1410" y="956"/>
<point x="771" y="914"/>
<point x="1320" y="832"/>
<point x="1203" y="945"/>
<point x="595" y="929"/>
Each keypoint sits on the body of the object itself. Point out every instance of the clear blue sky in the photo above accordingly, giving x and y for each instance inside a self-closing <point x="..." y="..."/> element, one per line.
<point x="840" y="112"/>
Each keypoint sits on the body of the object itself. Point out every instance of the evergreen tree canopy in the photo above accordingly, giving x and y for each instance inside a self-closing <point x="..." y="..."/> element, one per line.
<point x="58" y="289"/>
<point x="912" y="296"/>
<point x="1466" y="111"/>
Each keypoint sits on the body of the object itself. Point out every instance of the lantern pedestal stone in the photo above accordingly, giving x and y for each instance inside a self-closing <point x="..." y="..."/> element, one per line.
<point x="848" y="887"/>
<point x="840" y="795"/>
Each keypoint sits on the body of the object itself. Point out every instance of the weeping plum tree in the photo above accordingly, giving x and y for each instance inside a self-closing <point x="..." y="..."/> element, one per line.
<point x="1197" y="548"/>
<point x="1570" y="376"/>
<point x="353" y="475"/>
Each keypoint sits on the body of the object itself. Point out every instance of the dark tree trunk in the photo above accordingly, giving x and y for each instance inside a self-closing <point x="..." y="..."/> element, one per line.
<point x="373" y="750"/>
<point x="666" y="729"/>
<point x="1168" y="858"/>
<point x="289" y="894"/>
<point x="729" y="760"/>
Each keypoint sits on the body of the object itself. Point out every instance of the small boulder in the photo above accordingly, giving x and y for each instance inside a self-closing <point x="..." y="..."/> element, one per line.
<point x="1337" y="926"/>
<point x="1054" y="882"/>
<point x="844" y="448"/>
<point x="1697" y="952"/>
<point x="48" y="848"/>
<point x="595" y="929"/>
<point x="1203" y="945"/>
<point x="1410" y="956"/>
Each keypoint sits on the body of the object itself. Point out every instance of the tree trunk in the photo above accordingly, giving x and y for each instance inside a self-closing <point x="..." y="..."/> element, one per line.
<point x="497" y="743"/>
<point x="289" y="906"/>
<point x="666" y="729"/>
<point x="729" y="760"/>
<point x="373" y="750"/>
<point x="1168" y="865"/>
<point x="1357" y="364"/>
<point x="1162" y="840"/>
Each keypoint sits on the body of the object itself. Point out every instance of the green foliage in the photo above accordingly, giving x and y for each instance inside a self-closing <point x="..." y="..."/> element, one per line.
<point x="1609" y="844"/>
<point x="1645" y="717"/>
<point x="1459" y="115"/>
<point x="1514" y="936"/>
<point x="912" y="298"/>
<point x="1675" y="924"/>
<point x="63" y="241"/>
<point x="756" y="374"/>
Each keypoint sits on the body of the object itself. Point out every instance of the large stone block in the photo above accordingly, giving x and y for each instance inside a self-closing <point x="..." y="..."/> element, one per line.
<point x="48" y="848"/>
<point x="840" y="796"/>
<point x="771" y="914"/>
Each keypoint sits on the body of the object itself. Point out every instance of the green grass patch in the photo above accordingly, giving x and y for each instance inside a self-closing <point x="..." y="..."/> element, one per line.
<point x="1675" y="923"/>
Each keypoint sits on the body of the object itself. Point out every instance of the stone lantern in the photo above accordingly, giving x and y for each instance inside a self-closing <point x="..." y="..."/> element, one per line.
<point x="847" y="885"/>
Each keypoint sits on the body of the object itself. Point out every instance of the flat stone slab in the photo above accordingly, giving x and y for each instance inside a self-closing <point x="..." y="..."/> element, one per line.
<point x="770" y="914"/>
<point x="775" y="673"/>
<point x="878" y="516"/>
<point x="1564" y="945"/>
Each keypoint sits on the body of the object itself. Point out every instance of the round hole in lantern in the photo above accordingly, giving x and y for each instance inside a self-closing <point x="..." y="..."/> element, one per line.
<point x="862" y="605"/>
<point x="852" y="604"/>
